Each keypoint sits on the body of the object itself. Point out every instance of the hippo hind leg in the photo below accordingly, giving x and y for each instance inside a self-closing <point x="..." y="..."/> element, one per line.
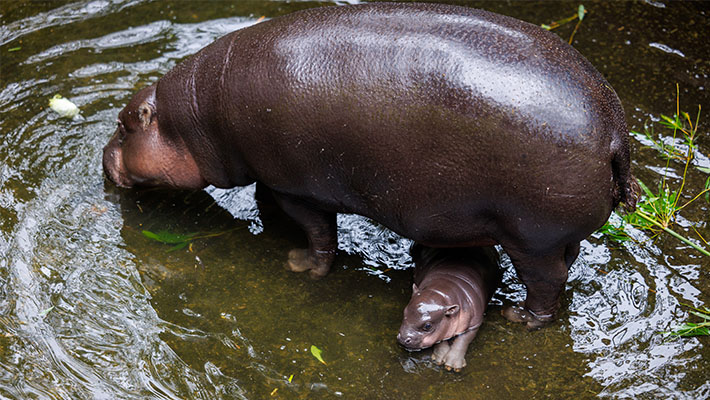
<point x="321" y="230"/>
<point x="544" y="277"/>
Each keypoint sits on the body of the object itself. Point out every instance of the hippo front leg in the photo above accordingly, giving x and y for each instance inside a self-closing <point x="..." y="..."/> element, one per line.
<point x="321" y="230"/>
<point x="453" y="355"/>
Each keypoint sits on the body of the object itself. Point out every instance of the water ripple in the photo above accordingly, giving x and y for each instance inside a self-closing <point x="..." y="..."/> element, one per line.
<point x="73" y="12"/>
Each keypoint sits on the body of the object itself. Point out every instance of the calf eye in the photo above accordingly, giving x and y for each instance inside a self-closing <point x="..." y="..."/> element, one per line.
<point x="426" y="327"/>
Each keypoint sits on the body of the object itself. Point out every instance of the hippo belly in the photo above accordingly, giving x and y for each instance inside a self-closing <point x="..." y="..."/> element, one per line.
<point x="451" y="126"/>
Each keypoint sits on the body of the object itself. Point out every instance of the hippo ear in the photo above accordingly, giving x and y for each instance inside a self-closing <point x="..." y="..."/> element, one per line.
<point x="452" y="310"/>
<point x="415" y="289"/>
<point x="146" y="112"/>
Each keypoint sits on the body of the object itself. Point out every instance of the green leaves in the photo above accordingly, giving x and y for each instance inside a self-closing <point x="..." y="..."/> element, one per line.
<point x="614" y="232"/>
<point x="662" y="207"/>
<point x="657" y="212"/>
<point x="579" y="16"/>
<point x="690" y="329"/>
<point x="707" y="183"/>
<point x="177" y="240"/>
<point x="317" y="353"/>
<point x="556" y="24"/>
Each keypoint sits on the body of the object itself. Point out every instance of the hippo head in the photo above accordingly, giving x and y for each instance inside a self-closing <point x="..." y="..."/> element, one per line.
<point x="140" y="154"/>
<point x="429" y="318"/>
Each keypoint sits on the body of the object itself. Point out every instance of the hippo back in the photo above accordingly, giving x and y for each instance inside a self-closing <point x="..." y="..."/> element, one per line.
<point x="447" y="124"/>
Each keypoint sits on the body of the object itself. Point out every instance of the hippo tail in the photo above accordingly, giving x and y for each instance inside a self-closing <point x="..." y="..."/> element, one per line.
<point x="626" y="187"/>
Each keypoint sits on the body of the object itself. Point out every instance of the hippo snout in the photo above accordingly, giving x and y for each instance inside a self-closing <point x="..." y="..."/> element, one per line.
<point x="408" y="341"/>
<point x="112" y="164"/>
<point x="404" y="339"/>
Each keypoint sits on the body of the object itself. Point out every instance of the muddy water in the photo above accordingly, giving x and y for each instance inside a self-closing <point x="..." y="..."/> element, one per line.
<point x="91" y="308"/>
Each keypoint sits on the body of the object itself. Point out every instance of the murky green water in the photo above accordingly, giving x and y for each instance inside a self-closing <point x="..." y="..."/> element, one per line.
<point x="91" y="308"/>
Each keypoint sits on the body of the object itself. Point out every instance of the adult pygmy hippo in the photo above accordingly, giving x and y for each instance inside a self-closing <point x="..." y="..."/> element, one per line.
<point x="451" y="126"/>
<point x="451" y="290"/>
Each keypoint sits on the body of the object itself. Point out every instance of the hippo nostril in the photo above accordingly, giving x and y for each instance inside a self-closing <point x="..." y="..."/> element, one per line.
<point x="408" y="341"/>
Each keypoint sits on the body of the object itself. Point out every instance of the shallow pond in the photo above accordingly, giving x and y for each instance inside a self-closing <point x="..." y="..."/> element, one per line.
<point x="92" y="308"/>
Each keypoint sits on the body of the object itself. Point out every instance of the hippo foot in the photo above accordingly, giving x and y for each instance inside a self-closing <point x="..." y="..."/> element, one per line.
<point x="439" y="352"/>
<point x="299" y="261"/>
<point x="449" y="356"/>
<point x="520" y="314"/>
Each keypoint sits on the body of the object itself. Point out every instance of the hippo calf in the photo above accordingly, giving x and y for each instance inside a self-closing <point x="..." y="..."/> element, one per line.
<point x="450" y="292"/>
<point x="451" y="126"/>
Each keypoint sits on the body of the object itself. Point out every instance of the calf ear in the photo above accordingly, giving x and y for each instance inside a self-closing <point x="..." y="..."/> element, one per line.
<point x="146" y="113"/>
<point x="452" y="310"/>
<point x="415" y="289"/>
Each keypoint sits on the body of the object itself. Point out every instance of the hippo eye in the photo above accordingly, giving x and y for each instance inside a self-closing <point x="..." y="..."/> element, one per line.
<point x="426" y="327"/>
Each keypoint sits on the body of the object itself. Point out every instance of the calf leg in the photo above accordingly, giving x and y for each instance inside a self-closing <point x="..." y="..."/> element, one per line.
<point x="453" y="355"/>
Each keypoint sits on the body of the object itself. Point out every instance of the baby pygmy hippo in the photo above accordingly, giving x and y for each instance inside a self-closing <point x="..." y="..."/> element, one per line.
<point x="451" y="290"/>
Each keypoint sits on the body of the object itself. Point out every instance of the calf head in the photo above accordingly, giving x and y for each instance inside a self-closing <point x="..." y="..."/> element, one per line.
<point x="429" y="318"/>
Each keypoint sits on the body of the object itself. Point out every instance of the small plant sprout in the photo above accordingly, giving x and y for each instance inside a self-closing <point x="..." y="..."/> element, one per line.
<point x="658" y="210"/>
<point x="690" y="329"/>
<point x="579" y="16"/>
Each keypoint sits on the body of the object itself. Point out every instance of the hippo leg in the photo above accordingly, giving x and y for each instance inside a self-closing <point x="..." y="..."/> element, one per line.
<point x="440" y="350"/>
<point x="453" y="355"/>
<point x="571" y="253"/>
<point x="544" y="277"/>
<point x="321" y="230"/>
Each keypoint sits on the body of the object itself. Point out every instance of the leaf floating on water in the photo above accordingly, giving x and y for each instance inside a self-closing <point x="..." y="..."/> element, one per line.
<point x="63" y="107"/>
<point x="169" y="237"/>
<point x="179" y="246"/>
<point x="177" y="240"/>
<point x="317" y="354"/>
<point x="151" y="235"/>
<point x="180" y="241"/>
<point x="290" y="378"/>
<point x="14" y="49"/>
<point x="580" y="12"/>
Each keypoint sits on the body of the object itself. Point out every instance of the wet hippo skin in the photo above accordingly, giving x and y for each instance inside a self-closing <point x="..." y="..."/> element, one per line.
<point x="450" y="292"/>
<point x="451" y="126"/>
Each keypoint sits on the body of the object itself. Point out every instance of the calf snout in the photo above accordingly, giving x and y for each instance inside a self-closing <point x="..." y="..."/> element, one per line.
<point x="408" y="340"/>
<point x="404" y="340"/>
